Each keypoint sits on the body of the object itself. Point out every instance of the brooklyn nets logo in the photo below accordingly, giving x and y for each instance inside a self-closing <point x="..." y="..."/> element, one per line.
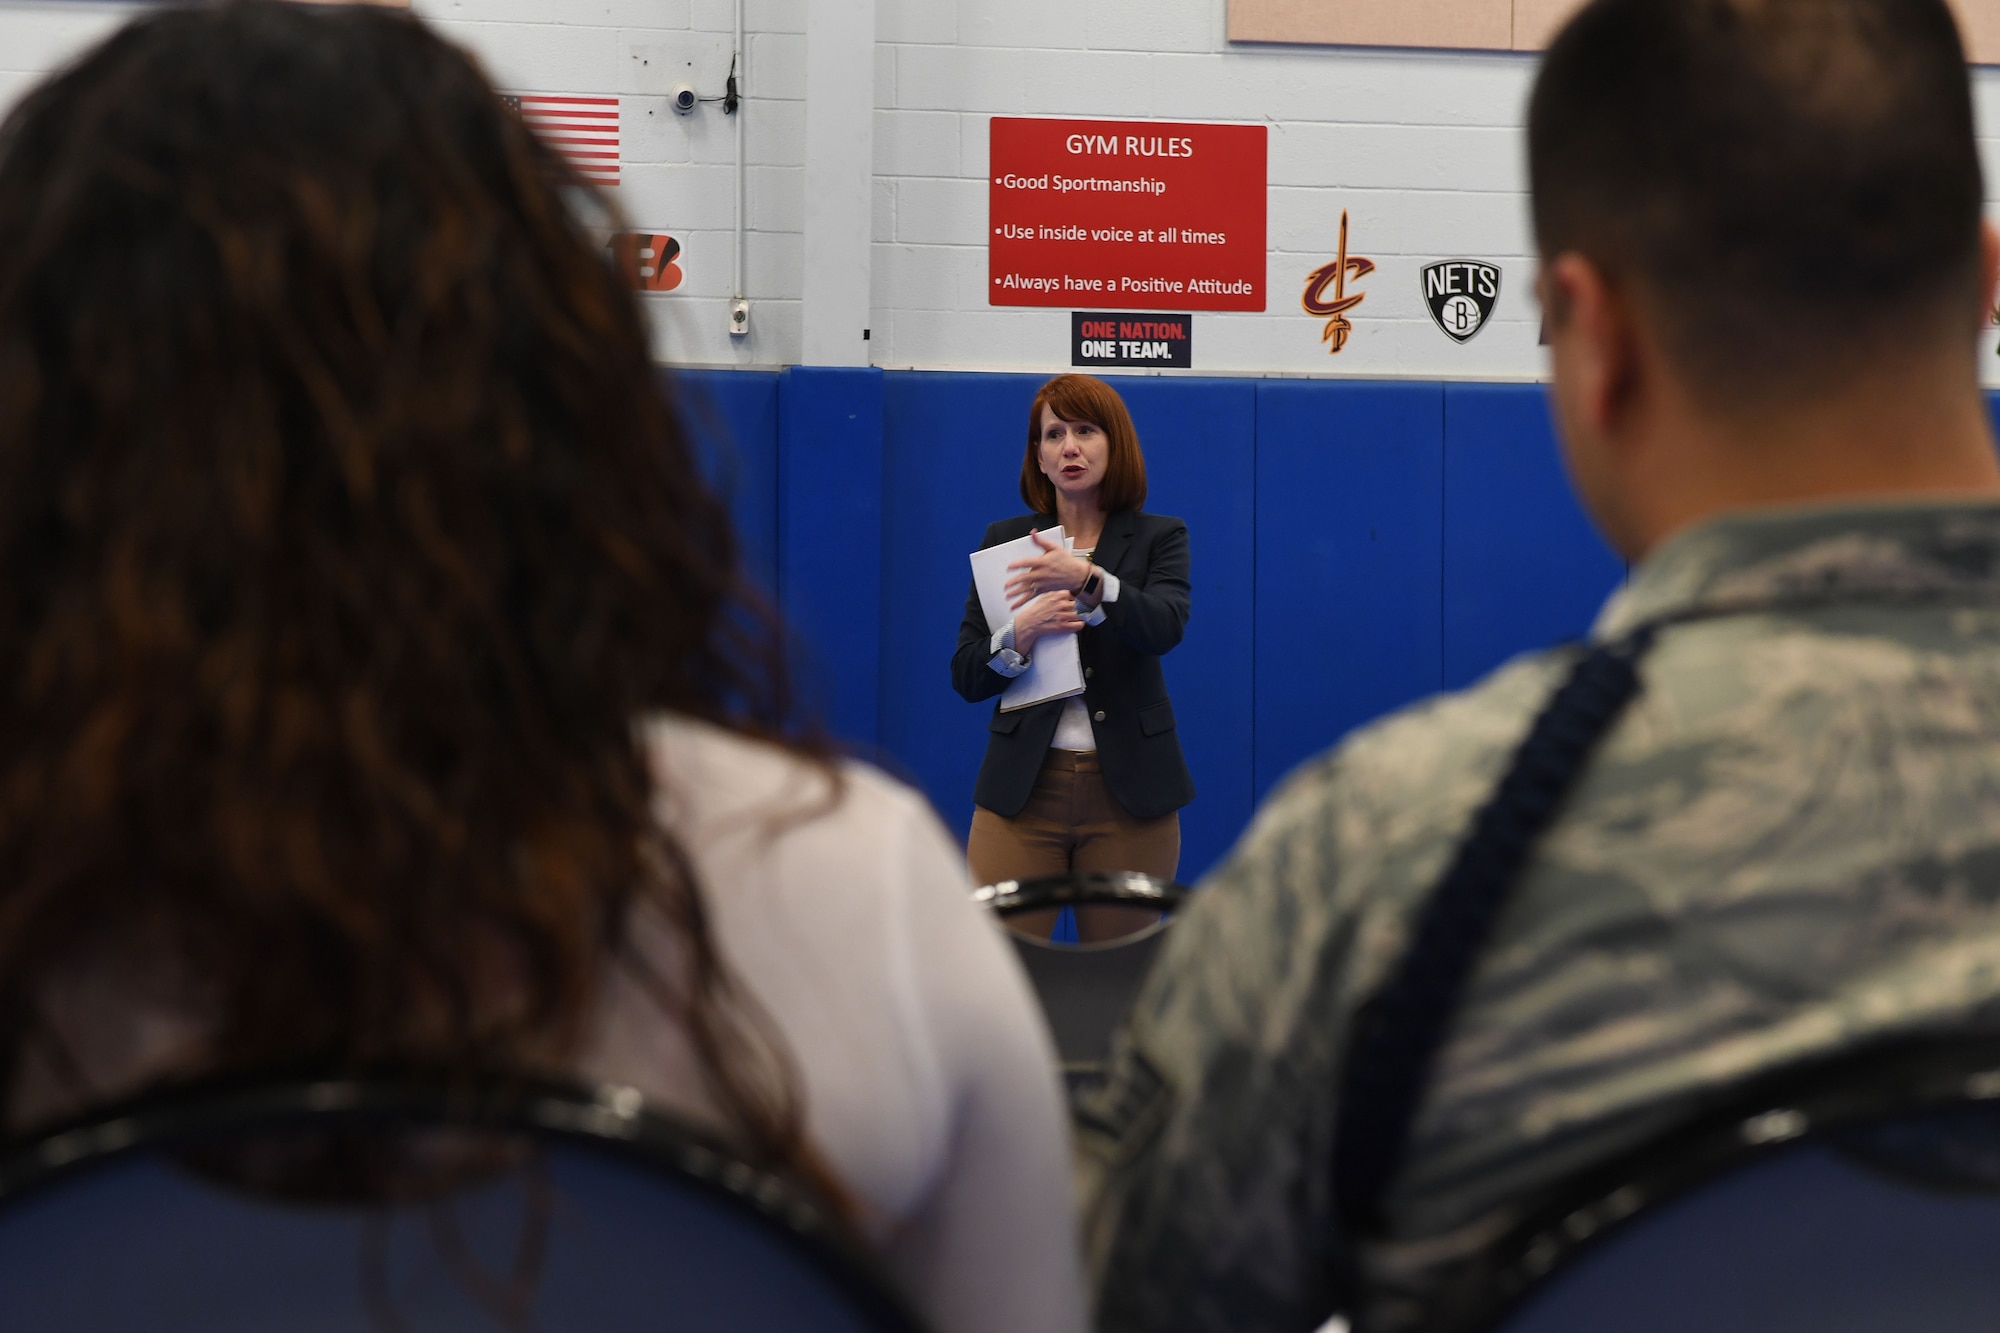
<point x="1461" y="294"/>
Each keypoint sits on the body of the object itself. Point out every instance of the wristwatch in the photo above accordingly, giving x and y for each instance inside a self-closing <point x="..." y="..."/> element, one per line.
<point x="1090" y="585"/>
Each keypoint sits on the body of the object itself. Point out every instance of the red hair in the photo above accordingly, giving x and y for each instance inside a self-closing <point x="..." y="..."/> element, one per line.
<point x="1086" y="398"/>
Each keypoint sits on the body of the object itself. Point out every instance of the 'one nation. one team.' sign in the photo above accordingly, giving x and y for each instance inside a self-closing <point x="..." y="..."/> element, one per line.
<point x="1140" y="215"/>
<point x="1492" y="25"/>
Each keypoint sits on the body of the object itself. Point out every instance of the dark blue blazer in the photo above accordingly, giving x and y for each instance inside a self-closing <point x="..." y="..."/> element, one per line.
<point x="1123" y="686"/>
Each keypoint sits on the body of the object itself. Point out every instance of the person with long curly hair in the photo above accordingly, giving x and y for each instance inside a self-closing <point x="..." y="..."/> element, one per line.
<point x="379" y="684"/>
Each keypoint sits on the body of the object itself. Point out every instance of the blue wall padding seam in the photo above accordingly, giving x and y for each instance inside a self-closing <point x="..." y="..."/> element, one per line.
<point x="1200" y="440"/>
<point x="830" y="538"/>
<point x="951" y="450"/>
<point x="1349" y="549"/>
<point x="732" y="417"/>
<point x="1523" y="566"/>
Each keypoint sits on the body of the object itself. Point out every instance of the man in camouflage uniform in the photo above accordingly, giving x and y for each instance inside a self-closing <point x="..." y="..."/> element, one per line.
<point x="1789" y="843"/>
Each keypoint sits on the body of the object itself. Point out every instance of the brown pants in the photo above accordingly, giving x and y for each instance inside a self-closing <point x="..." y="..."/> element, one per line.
<point x="1071" y="823"/>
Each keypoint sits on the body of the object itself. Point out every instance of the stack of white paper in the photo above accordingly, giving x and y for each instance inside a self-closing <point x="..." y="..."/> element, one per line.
<point x="1055" y="671"/>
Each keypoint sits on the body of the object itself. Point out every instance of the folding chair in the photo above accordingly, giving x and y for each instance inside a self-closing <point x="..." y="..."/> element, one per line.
<point x="1087" y="989"/>
<point x="525" y="1207"/>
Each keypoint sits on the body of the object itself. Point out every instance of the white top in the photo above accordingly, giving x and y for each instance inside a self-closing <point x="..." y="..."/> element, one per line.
<point x="931" y="1084"/>
<point x="1073" y="729"/>
<point x="929" y="1078"/>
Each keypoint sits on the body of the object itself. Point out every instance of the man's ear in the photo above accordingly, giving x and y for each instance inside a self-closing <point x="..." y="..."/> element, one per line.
<point x="1593" y="341"/>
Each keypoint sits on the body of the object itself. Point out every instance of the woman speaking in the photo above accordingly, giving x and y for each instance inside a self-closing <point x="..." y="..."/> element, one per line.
<point x="1094" y="781"/>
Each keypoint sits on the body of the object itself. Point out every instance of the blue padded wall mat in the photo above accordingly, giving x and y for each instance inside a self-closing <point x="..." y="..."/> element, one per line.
<point x="1357" y="546"/>
<point x="1199" y="437"/>
<point x="1523" y="567"/>
<point x="732" y="419"/>
<point x="830" y="532"/>
<point x="1349" y="534"/>
<point x="952" y="455"/>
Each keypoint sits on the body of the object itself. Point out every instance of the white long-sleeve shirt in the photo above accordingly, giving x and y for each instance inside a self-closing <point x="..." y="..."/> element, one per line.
<point x="931" y="1084"/>
<point x="929" y="1080"/>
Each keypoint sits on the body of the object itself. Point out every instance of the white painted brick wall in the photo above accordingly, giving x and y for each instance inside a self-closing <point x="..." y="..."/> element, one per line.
<point x="1422" y="150"/>
<point x="36" y="38"/>
<point x="679" y="171"/>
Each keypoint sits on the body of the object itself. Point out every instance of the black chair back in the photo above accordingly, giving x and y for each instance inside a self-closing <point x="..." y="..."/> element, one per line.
<point x="593" y="1213"/>
<point x="1859" y="1195"/>
<point x="1087" y="989"/>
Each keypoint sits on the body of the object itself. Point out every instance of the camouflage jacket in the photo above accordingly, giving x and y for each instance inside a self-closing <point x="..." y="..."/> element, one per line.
<point x="1790" y="841"/>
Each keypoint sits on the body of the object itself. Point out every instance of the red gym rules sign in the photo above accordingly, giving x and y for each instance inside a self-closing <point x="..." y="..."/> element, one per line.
<point x="1147" y="215"/>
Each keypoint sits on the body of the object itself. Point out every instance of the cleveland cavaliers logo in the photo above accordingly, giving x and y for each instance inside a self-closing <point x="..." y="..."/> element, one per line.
<point x="1327" y="295"/>
<point x="1461" y="294"/>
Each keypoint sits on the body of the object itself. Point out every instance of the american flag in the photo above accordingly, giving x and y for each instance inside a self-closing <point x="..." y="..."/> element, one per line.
<point x="583" y="129"/>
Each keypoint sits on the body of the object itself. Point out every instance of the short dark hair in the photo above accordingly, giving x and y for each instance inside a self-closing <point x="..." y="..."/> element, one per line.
<point x="1793" y="183"/>
<point x="1086" y="398"/>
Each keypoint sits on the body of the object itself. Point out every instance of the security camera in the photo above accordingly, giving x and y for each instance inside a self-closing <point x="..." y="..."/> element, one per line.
<point x="684" y="99"/>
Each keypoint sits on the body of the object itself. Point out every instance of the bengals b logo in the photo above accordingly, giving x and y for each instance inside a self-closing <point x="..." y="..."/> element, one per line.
<point x="646" y="261"/>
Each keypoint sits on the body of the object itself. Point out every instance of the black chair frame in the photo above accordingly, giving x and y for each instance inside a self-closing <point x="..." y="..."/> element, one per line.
<point x="1832" y="1102"/>
<point x="1078" y="1020"/>
<point x="1092" y="889"/>
<point x="611" y="1120"/>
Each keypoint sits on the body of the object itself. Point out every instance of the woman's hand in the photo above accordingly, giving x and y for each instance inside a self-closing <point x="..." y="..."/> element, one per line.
<point x="1054" y="570"/>
<point x="1050" y="613"/>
